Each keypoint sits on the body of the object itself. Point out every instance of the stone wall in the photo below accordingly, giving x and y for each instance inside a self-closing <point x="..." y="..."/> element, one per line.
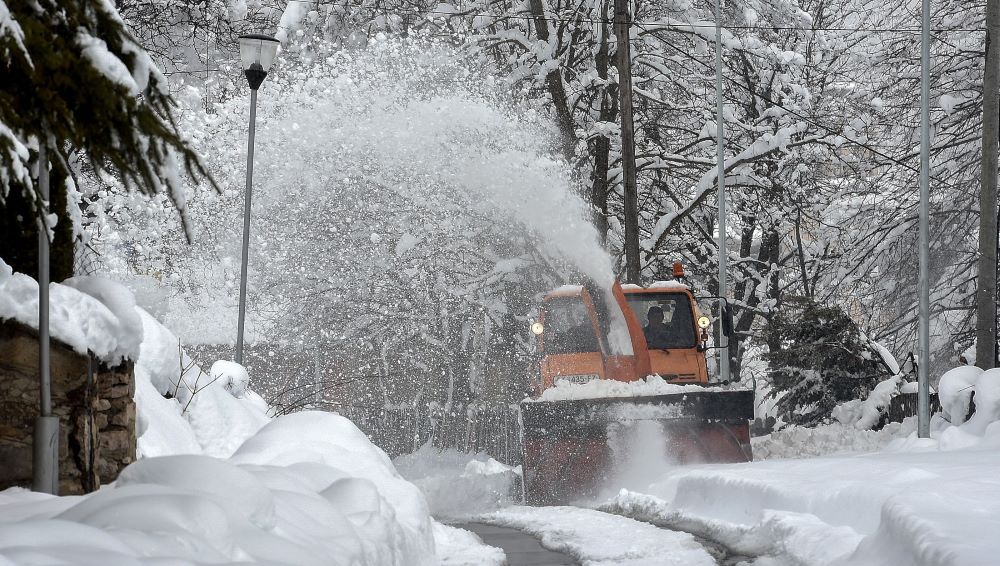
<point x="95" y="405"/>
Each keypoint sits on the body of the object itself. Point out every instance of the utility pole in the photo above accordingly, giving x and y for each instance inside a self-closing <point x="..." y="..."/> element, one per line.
<point x="986" y="287"/>
<point x="720" y="154"/>
<point x="623" y="22"/>
<point x="923" y="277"/>
<point x="45" y="441"/>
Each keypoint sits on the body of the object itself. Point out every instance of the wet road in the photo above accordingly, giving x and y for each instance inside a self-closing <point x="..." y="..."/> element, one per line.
<point x="521" y="548"/>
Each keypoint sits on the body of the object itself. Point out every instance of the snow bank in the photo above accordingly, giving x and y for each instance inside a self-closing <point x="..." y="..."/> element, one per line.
<point x="181" y="409"/>
<point x="459" y="485"/>
<point x="954" y="429"/>
<point x="598" y="388"/>
<point x="458" y="547"/>
<point x="307" y="489"/>
<point x="599" y="539"/>
<point x="86" y="313"/>
<point x="828" y="440"/>
<point x="369" y="489"/>
<point x="920" y="501"/>
<point x="955" y="392"/>
<point x="927" y="508"/>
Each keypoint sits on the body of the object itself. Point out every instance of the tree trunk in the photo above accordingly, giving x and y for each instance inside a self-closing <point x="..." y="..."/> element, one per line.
<point x="986" y="292"/>
<point x="602" y="145"/>
<point x="623" y="57"/>
<point x="564" y="117"/>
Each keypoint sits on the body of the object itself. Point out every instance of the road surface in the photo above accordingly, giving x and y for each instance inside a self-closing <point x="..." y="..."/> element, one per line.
<point x="521" y="548"/>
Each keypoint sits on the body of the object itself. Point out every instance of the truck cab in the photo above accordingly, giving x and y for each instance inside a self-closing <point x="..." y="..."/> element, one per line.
<point x="572" y="346"/>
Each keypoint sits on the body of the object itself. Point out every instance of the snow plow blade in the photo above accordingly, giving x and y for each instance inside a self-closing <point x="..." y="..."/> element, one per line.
<point x="570" y="451"/>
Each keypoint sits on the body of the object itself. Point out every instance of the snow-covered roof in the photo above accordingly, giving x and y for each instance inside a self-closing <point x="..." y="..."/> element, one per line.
<point x="655" y="285"/>
<point x="667" y="285"/>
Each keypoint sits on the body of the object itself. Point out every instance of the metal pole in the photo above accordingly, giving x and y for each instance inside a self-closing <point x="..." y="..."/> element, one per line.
<point x="923" y="282"/>
<point x="45" y="442"/>
<point x="630" y="191"/>
<point x="720" y="137"/>
<point x="986" y="287"/>
<point x="246" y="228"/>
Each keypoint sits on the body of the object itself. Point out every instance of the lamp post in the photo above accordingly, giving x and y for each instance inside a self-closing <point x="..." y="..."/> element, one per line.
<point x="45" y="442"/>
<point x="257" y="53"/>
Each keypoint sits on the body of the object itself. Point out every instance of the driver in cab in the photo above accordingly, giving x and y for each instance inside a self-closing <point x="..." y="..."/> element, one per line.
<point x="658" y="335"/>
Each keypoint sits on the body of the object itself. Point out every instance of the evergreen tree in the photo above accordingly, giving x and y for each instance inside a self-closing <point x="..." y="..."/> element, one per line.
<point x="818" y="359"/>
<point x="75" y="79"/>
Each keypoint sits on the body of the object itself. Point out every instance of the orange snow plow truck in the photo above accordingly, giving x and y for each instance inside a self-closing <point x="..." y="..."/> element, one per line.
<point x="593" y="337"/>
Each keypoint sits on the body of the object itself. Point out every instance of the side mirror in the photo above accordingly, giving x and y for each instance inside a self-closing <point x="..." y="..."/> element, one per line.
<point x="727" y="320"/>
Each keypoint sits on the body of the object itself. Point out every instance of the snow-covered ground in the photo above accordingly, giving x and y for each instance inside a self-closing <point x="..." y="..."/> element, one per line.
<point x="308" y="488"/>
<point x="928" y="508"/>
<point x="920" y="501"/>
<point x="827" y="439"/>
<point x="219" y="480"/>
<point x="601" y="539"/>
<point x="832" y="495"/>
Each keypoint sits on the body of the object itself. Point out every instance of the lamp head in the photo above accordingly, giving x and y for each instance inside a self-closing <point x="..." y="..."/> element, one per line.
<point x="257" y="53"/>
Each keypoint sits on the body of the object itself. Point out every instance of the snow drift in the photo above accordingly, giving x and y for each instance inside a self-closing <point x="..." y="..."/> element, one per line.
<point x="920" y="501"/>
<point x="309" y="488"/>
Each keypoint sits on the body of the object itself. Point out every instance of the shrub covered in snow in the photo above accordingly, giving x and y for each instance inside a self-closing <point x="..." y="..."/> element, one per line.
<point x="960" y="389"/>
<point x="818" y="359"/>
<point x="183" y="410"/>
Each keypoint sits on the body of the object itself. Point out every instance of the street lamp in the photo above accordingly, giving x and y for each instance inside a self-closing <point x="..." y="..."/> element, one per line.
<point x="257" y="54"/>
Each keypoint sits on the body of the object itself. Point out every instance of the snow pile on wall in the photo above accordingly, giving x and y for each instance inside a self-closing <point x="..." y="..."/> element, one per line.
<point x="864" y="414"/>
<point x="86" y="313"/>
<point x="459" y="485"/>
<point x="309" y="488"/>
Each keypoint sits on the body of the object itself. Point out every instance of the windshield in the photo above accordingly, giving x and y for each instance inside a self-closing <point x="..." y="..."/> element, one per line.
<point x="665" y="318"/>
<point x="568" y="327"/>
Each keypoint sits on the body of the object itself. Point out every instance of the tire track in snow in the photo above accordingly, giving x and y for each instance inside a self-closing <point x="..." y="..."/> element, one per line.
<point x="723" y="554"/>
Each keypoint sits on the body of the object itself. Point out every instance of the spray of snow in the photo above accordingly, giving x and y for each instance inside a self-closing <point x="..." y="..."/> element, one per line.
<point x="640" y="455"/>
<point x="484" y="156"/>
<point x="409" y="127"/>
<point x="459" y="485"/>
